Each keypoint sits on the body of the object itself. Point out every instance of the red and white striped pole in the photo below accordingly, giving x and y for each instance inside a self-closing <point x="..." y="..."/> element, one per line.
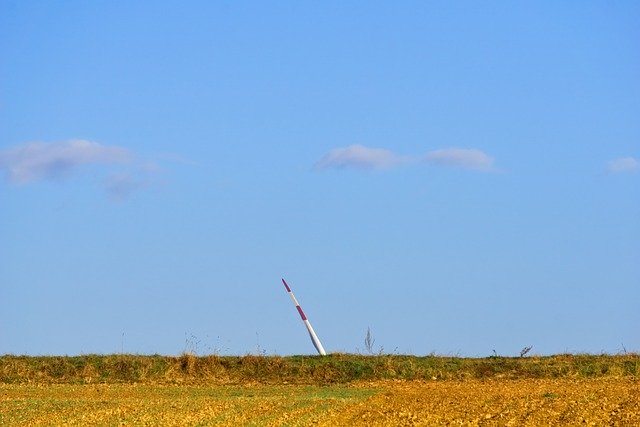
<point x="314" y="338"/>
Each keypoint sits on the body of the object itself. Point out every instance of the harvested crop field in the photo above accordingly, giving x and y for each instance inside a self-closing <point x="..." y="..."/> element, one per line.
<point x="600" y="401"/>
<point x="338" y="389"/>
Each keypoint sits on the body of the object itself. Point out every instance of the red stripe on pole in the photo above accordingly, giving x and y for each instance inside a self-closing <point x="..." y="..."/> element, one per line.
<point x="301" y="312"/>
<point x="286" y="286"/>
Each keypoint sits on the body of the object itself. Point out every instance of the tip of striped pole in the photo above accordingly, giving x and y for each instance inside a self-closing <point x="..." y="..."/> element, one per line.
<point x="286" y="286"/>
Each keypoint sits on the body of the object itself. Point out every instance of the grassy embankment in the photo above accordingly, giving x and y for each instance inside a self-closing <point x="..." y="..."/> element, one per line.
<point x="332" y="369"/>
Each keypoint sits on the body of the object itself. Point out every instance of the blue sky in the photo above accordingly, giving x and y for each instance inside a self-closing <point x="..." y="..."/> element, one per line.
<point x="459" y="177"/>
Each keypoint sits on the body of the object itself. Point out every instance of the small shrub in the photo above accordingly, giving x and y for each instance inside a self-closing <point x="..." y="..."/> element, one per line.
<point x="525" y="350"/>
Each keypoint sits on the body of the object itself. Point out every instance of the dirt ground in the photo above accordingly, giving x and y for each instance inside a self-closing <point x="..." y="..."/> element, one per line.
<point x="501" y="403"/>
<point x="598" y="402"/>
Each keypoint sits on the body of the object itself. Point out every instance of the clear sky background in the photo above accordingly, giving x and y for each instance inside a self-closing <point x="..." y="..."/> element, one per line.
<point x="461" y="177"/>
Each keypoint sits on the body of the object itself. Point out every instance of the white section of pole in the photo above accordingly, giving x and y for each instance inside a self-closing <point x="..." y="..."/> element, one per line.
<point x="314" y="338"/>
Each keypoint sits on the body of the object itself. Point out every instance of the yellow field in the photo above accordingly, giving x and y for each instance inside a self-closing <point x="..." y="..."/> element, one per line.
<point x="601" y="401"/>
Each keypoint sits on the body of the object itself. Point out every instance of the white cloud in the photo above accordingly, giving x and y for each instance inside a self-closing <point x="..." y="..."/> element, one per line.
<point x="623" y="165"/>
<point x="360" y="157"/>
<point x="463" y="158"/>
<point x="36" y="162"/>
<point x="39" y="161"/>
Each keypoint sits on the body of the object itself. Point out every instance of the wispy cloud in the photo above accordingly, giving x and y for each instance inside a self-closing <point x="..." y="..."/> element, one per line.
<point x="360" y="157"/>
<point x="463" y="158"/>
<point x="623" y="165"/>
<point x="38" y="161"/>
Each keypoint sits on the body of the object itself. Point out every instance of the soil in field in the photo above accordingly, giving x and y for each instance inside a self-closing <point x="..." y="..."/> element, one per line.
<point x="600" y="401"/>
<point x="595" y="402"/>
